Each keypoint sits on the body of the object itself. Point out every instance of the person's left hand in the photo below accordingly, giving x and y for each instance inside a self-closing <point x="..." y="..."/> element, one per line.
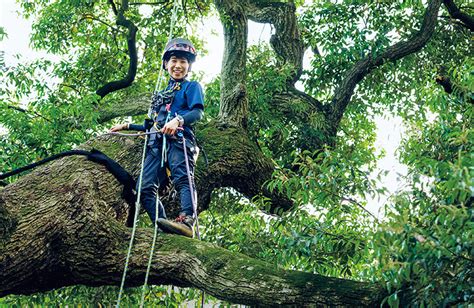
<point x="170" y="127"/>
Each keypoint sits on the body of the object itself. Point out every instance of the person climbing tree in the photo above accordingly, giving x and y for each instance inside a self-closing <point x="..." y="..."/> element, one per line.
<point x="173" y="112"/>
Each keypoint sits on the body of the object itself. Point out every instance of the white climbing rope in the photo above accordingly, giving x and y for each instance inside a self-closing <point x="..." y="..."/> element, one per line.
<point x="170" y="36"/>
<point x="135" y="220"/>
<point x="152" y="250"/>
<point x="155" y="232"/>
<point x="137" y="204"/>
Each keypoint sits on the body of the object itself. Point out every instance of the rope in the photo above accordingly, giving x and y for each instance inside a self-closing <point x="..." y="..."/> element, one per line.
<point x="157" y="86"/>
<point x="170" y="36"/>
<point x="193" y="195"/>
<point x="155" y="233"/>
<point x="135" y="219"/>
<point x="193" y="200"/>
<point x="132" y="135"/>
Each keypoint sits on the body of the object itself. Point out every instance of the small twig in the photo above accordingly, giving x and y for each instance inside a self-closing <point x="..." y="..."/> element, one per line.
<point x="28" y="113"/>
<point x="92" y="17"/>
<point x="361" y="206"/>
<point x="70" y="87"/>
<point x="114" y="8"/>
<point x="455" y="22"/>
<point x="449" y="250"/>
<point x="198" y="7"/>
<point x="148" y="3"/>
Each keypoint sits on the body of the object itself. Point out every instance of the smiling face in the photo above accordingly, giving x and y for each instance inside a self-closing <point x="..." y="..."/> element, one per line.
<point x="177" y="67"/>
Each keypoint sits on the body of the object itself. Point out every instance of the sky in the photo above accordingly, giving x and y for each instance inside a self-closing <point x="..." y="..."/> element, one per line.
<point x="389" y="129"/>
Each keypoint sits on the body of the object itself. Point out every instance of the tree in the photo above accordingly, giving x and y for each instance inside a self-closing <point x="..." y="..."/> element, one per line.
<point x="267" y="140"/>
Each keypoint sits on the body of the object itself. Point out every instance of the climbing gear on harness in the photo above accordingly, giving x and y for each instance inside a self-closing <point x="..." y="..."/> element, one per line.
<point x="177" y="87"/>
<point x="163" y="98"/>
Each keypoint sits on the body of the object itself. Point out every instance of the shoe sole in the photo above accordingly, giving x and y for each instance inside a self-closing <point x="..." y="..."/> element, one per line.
<point x="172" y="227"/>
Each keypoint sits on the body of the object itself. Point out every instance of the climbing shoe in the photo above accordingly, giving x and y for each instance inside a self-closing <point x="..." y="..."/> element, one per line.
<point x="182" y="225"/>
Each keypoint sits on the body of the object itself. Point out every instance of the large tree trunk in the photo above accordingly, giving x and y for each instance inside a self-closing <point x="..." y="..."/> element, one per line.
<point x="64" y="224"/>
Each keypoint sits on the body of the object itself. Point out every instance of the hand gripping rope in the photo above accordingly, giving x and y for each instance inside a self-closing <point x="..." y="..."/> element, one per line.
<point x="137" y="207"/>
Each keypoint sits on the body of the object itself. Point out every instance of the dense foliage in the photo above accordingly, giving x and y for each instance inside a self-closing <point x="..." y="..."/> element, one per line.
<point x="423" y="247"/>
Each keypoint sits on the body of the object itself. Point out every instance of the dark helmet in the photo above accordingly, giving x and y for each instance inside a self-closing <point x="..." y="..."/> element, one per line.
<point x="179" y="47"/>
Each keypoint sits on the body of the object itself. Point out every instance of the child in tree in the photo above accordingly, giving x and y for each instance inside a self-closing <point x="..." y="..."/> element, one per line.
<point x="176" y="108"/>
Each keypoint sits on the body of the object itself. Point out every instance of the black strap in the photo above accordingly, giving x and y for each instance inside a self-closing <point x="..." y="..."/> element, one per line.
<point x="96" y="156"/>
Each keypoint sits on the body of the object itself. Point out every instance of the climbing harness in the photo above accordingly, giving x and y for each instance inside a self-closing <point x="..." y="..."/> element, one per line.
<point x="168" y="102"/>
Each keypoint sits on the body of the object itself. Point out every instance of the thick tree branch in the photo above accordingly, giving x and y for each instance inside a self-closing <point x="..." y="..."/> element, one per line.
<point x="466" y="19"/>
<point x="286" y="41"/>
<point x="133" y="105"/>
<point x="76" y="235"/>
<point x="289" y="48"/>
<point x="234" y="102"/>
<point x="132" y="52"/>
<point x="362" y="68"/>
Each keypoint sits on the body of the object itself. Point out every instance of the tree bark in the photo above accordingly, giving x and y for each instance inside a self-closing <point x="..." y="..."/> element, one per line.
<point x="314" y="127"/>
<point x="129" y="106"/>
<point x="63" y="224"/>
<point x="465" y="19"/>
<point x="234" y="102"/>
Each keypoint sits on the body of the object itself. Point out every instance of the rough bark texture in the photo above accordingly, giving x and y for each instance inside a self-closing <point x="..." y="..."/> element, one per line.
<point x="70" y="230"/>
<point x="466" y="19"/>
<point x="234" y="161"/>
<point x="129" y="106"/>
<point x="234" y="102"/>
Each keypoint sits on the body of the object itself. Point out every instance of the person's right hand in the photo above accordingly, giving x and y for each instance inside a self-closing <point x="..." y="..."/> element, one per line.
<point x="119" y="127"/>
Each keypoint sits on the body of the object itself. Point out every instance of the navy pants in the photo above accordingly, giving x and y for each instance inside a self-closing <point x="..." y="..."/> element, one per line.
<point x="154" y="174"/>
